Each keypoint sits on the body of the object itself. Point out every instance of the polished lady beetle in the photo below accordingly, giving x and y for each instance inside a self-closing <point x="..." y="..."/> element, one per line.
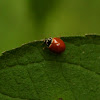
<point x="55" y="44"/>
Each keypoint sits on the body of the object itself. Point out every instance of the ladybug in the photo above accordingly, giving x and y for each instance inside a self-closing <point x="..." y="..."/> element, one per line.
<point x="55" y="44"/>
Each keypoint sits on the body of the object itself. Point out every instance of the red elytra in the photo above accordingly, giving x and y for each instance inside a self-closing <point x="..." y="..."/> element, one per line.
<point x="55" y="44"/>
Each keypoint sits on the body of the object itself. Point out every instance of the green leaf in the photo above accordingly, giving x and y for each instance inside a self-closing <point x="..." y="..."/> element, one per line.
<point x="33" y="73"/>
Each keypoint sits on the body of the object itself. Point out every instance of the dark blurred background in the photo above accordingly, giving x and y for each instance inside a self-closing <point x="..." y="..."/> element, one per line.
<point x="22" y="21"/>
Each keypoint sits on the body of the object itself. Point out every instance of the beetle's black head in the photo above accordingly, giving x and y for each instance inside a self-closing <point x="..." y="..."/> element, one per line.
<point x="48" y="41"/>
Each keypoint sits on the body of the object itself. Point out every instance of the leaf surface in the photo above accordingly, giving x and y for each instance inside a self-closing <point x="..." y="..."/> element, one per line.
<point x="33" y="73"/>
